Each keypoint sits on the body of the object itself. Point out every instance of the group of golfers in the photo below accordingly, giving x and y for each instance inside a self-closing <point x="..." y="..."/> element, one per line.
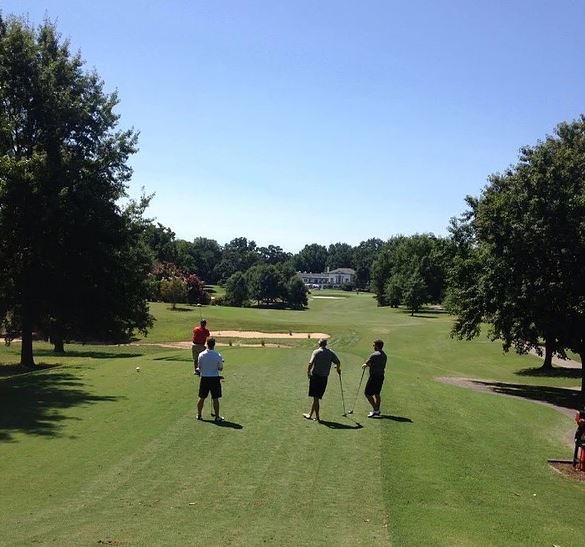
<point x="208" y="364"/>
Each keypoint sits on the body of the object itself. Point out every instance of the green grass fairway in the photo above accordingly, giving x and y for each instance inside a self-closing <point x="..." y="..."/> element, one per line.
<point x="93" y="452"/>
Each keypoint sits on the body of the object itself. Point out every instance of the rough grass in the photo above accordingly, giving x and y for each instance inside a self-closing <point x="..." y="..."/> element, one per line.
<point x="93" y="451"/>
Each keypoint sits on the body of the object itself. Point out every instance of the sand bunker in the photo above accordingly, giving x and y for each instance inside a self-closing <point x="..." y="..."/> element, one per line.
<point x="187" y="345"/>
<point x="262" y="335"/>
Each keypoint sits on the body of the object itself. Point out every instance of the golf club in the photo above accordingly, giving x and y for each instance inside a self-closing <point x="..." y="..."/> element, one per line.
<point x="357" y="392"/>
<point x="342" y="397"/>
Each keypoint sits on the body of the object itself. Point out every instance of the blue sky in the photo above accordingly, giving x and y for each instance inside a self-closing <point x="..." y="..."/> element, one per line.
<point x="298" y="122"/>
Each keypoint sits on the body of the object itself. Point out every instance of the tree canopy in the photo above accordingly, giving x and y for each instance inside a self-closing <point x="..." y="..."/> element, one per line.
<point x="71" y="259"/>
<point x="526" y="253"/>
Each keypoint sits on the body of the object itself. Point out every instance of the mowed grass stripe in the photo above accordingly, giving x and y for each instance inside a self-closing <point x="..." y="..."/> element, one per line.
<point x="277" y="477"/>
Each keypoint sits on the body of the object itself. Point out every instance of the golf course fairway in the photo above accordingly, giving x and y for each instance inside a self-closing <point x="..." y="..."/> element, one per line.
<point x="94" y="451"/>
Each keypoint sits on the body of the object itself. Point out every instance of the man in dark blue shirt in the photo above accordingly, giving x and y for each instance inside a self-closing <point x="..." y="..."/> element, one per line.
<point x="376" y="364"/>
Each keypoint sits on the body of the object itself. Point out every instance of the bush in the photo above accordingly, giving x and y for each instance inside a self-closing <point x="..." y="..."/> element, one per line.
<point x="173" y="290"/>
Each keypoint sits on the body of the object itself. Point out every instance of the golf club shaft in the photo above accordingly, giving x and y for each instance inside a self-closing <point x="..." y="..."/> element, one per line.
<point x="357" y="393"/>
<point x="342" y="397"/>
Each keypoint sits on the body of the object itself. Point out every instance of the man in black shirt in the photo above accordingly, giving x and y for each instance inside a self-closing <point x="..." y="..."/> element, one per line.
<point x="377" y="364"/>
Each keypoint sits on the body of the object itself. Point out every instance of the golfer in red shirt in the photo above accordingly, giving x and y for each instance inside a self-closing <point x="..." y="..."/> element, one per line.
<point x="200" y="336"/>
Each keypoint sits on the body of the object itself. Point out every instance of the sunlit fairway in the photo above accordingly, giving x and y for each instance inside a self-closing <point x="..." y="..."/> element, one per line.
<point x="95" y="452"/>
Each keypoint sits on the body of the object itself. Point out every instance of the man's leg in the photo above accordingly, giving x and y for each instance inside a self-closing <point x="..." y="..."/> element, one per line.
<point x="315" y="408"/>
<point x="216" y="408"/>
<point x="377" y="401"/>
<point x="372" y="401"/>
<point x="200" y="403"/>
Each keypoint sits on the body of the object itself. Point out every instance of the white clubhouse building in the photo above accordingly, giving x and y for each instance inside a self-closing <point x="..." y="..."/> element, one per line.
<point x="333" y="278"/>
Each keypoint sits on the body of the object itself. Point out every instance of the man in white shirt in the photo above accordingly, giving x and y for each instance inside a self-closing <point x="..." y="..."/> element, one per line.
<point x="209" y="364"/>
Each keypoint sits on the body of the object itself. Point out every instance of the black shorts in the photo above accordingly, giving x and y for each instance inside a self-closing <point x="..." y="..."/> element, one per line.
<point x="210" y="383"/>
<point x="317" y="385"/>
<point x="374" y="385"/>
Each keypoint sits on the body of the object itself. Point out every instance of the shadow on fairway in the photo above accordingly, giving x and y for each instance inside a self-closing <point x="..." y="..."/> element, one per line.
<point x="337" y="425"/>
<point x="175" y="358"/>
<point x="555" y="372"/>
<point x="181" y="308"/>
<point x="395" y="418"/>
<point x="15" y="369"/>
<point x="31" y="403"/>
<point x="92" y="354"/>
<point x="557" y="396"/>
<point x="231" y="425"/>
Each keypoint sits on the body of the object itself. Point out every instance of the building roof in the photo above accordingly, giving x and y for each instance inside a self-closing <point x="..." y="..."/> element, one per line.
<point x="343" y="271"/>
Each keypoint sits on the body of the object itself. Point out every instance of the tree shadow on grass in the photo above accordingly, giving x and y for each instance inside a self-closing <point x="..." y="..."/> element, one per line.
<point x="14" y="369"/>
<point x="337" y="425"/>
<point x="557" y="396"/>
<point x="181" y="308"/>
<point x="92" y="354"/>
<point x="32" y="403"/>
<point x="555" y="372"/>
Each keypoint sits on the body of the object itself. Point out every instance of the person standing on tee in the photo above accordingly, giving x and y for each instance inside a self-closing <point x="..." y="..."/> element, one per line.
<point x="318" y="373"/>
<point x="376" y="364"/>
<point x="210" y="363"/>
<point x="200" y="336"/>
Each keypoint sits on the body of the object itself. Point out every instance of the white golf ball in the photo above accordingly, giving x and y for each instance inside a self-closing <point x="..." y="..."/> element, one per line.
<point x="137" y="369"/>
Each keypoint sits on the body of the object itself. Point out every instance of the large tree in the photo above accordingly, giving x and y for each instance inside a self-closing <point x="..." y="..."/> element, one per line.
<point x="67" y="248"/>
<point x="311" y="258"/>
<point x="339" y="255"/>
<point x="527" y="255"/>
<point x="206" y="256"/>
<point x="363" y="257"/>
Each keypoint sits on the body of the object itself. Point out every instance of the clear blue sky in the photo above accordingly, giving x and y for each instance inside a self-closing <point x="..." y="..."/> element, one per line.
<point x="295" y="121"/>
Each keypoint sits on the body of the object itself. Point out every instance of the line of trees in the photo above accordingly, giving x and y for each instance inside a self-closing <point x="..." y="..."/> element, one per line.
<point x="215" y="263"/>
<point x="412" y="271"/>
<point x="266" y="284"/>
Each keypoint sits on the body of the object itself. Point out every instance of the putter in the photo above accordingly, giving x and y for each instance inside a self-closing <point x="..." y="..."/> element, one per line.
<point x="357" y="392"/>
<point x="342" y="397"/>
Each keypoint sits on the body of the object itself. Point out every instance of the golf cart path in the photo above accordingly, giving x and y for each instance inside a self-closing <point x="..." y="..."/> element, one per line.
<point x="567" y="363"/>
<point x="491" y="386"/>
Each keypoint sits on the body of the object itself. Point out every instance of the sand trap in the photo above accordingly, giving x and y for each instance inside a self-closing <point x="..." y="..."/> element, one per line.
<point x="187" y="345"/>
<point x="258" y="334"/>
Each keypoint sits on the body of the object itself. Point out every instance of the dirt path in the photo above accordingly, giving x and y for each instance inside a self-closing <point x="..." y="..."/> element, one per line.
<point x="491" y="386"/>
<point x="565" y="363"/>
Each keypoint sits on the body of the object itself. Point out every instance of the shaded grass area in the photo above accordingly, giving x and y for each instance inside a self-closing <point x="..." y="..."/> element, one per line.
<point x="34" y="404"/>
<point x="560" y="397"/>
<point x="555" y="372"/>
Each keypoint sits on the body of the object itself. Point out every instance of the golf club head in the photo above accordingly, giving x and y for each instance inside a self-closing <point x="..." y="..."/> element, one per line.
<point x="350" y="412"/>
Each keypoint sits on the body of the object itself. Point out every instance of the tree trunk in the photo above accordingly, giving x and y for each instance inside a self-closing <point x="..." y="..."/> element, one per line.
<point x="26" y="348"/>
<point x="58" y="344"/>
<point x="549" y="348"/>
<point x="582" y="356"/>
